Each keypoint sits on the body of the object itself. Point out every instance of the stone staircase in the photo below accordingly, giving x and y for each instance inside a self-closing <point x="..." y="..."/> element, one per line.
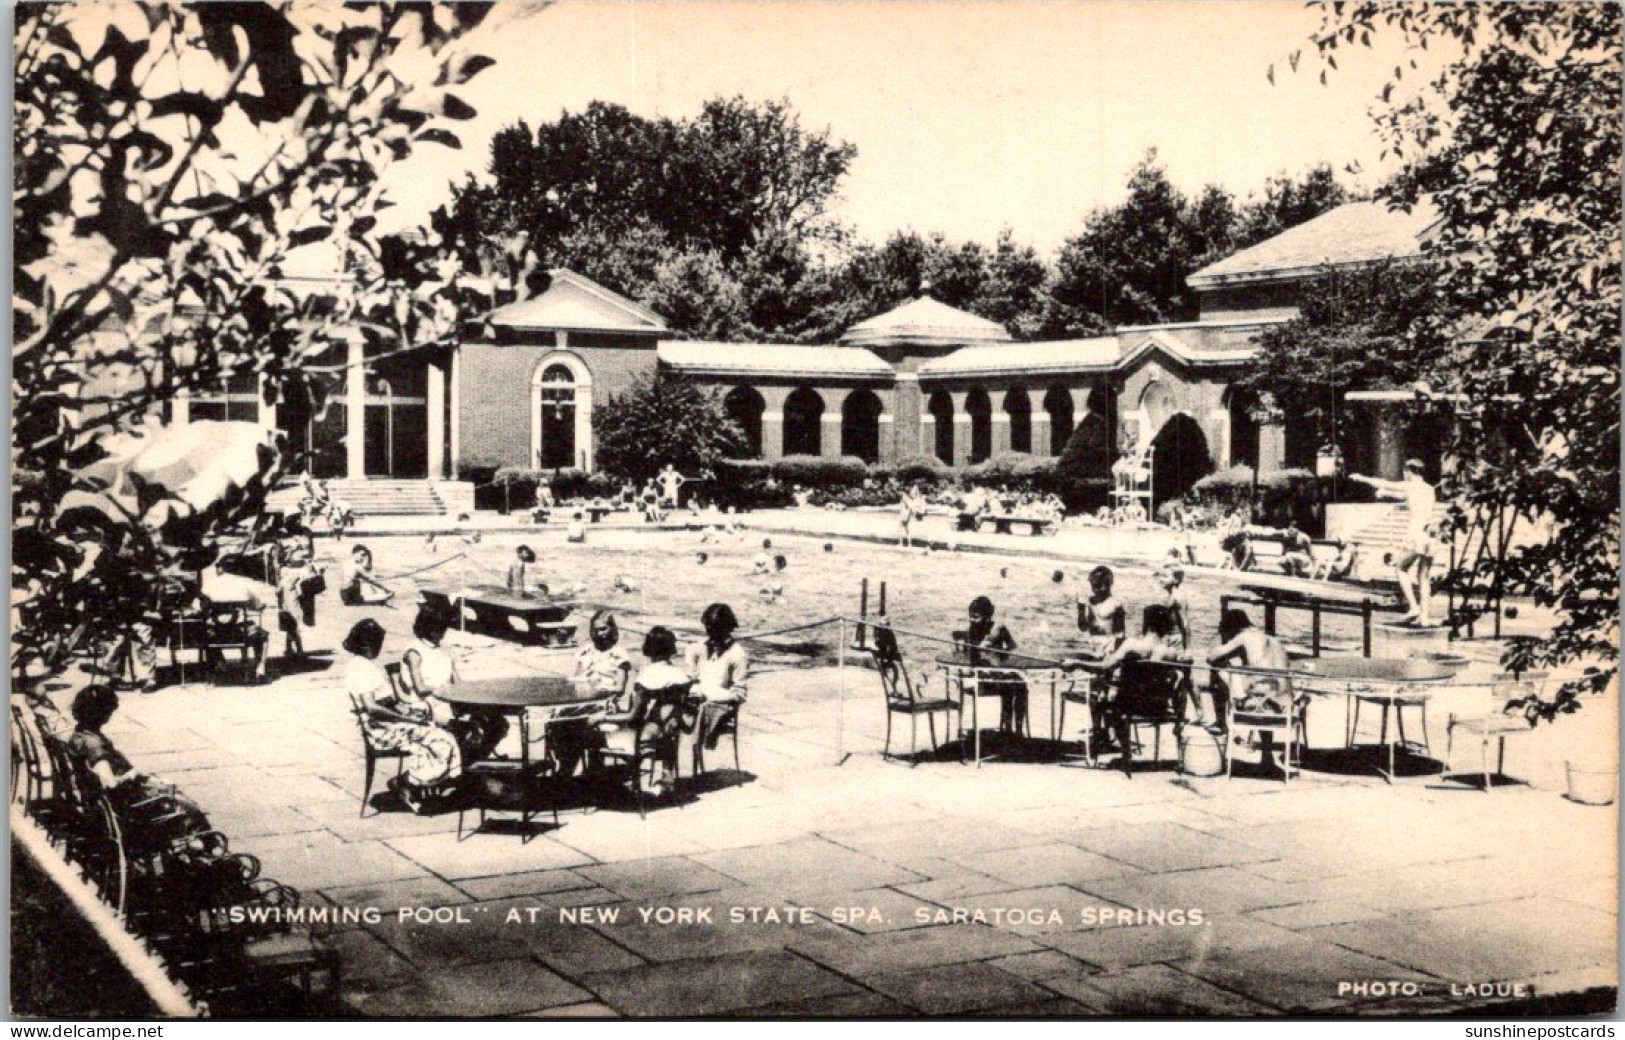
<point x="383" y="497"/>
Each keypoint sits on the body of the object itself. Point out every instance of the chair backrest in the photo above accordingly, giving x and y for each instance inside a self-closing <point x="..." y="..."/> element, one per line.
<point x="894" y="680"/>
<point x="1148" y="689"/>
<point x="69" y="775"/>
<point x="1507" y="687"/>
<point x="398" y="678"/>
<point x="662" y="705"/>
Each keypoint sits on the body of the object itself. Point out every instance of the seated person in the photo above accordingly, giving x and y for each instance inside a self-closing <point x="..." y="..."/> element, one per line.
<point x="1158" y="641"/>
<point x="403" y="722"/>
<point x="358" y="587"/>
<point x="643" y="727"/>
<point x="154" y="813"/>
<point x="427" y="670"/>
<point x="577" y="529"/>
<point x="521" y="577"/>
<point x="1297" y="553"/>
<point x="1242" y="645"/>
<point x="1102" y="618"/>
<point x="1238" y="552"/>
<point x="983" y="642"/>
<point x="1341" y="566"/>
<point x="573" y="743"/>
<point x="719" y="666"/>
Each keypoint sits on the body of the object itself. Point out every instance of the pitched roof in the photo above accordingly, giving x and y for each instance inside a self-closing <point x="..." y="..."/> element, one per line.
<point x="1175" y="347"/>
<point x="785" y="360"/>
<point x="925" y="321"/>
<point x="1068" y="355"/>
<point x="1354" y="233"/>
<point x="575" y="302"/>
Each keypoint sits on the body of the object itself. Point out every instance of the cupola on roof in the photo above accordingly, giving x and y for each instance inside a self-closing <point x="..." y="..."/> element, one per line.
<point x="924" y="322"/>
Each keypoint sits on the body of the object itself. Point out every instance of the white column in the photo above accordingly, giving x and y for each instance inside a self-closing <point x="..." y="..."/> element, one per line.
<point x="355" y="412"/>
<point x="437" y="421"/>
<point x="456" y="407"/>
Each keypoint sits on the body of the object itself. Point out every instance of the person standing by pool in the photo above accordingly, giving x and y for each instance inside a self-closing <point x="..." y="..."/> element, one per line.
<point x="719" y="666"/>
<point x="519" y="574"/>
<point x="1102" y="618"/>
<point x="1414" y="566"/>
<point x="1172" y="579"/>
<point x="910" y="509"/>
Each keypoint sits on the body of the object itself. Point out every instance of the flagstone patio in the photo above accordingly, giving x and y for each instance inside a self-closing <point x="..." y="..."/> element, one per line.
<point x="1304" y="890"/>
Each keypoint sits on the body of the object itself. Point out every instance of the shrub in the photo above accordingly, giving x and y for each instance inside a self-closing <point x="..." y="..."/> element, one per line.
<point x="749" y="484"/>
<point x="920" y="469"/>
<point x="815" y="472"/>
<point x="575" y="483"/>
<point x="1014" y="471"/>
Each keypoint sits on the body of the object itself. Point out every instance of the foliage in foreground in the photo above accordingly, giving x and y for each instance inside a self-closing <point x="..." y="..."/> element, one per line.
<point x="1521" y="134"/>
<point x="169" y="158"/>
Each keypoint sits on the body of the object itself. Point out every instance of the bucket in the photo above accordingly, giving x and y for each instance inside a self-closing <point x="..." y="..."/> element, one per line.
<point x="1592" y="784"/>
<point x="1199" y="753"/>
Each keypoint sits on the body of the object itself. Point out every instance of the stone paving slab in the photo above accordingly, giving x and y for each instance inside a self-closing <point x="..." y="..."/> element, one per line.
<point x="482" y="855"/>
<point x="885" y="952"/>
<point x="712" y="985"/>
<point x="1053" y="864"/>
<point x="1154" y="989"/>
<point x="525" y="883"/>
<point x="1128" y="946"/>
<point x="1160" y="847"/>
<point x="663" y="876"/>
<point x="508" y="987"/>
<point x="956" y="989"/>
<point x="1301" y="975"/>
<point x="806" y="865"/>
<point x="1043" y="965"/>
<point x="1512" y="940"/>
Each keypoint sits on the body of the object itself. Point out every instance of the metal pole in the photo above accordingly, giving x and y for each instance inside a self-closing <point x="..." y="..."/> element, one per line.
<point x="840" y="699"/>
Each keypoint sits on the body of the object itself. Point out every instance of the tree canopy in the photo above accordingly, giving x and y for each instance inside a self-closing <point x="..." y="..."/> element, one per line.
<point x="1518" y="136"/>
<point x="170" y="158"/>
<point x="663" y="419"/>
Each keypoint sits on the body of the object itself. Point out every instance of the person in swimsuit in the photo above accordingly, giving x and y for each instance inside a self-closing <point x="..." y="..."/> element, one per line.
<point x="1102" y="618"/>
<point x="1414" y="566"/>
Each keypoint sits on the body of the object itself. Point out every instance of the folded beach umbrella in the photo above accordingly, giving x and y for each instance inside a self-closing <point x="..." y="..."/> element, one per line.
<point x="163" y="473"/>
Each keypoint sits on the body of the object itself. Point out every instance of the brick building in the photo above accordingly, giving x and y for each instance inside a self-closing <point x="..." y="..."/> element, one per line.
<point x="921" y="379"/>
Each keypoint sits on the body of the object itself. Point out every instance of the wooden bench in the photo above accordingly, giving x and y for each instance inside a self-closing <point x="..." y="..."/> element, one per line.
<point x="492" y="610"/>
<point x="1004" y="524"/>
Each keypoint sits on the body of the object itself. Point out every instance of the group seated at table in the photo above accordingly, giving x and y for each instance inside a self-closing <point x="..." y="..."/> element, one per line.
<point x="441" y="739"/>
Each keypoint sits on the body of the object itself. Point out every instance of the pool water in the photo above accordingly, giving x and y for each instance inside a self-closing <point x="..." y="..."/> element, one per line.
<point x="925" y="593"/>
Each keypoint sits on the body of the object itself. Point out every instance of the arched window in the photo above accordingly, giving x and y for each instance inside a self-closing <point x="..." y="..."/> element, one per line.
<point x="745" y="406"/>
<point x="803" y="422"/>
<point x="1018" y="407"/>
<point x="860" y="425"/>
<point x="942" y="415"/>
<point x="1058" y="404"/>
<point x="1157" y="403"/>
<point x="980" y="410"/>
<point x="561" y="413"/>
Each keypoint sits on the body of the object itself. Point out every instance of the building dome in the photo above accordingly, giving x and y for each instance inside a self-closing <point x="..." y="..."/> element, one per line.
<point x="924" y="322"/>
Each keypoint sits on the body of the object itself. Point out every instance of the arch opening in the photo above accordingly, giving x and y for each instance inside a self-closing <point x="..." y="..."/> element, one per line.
<point x="860" y="425"/>
<point x="1058" y="405"/>
<point x="803" y="422"/>
<point x="1179" y="458"/>
<point x="1018" y="408"/>
<point x="980" y="409"/>
<point x="745" y="406"/>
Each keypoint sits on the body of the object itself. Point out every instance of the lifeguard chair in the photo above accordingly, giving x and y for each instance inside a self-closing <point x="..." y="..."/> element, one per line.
<point x="1131" y="484"/>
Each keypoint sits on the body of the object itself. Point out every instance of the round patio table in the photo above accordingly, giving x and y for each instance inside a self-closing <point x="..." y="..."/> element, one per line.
<point x="516" y="696"/>
<point x="991" y="666"/>
<point x="1389" y="683"/>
